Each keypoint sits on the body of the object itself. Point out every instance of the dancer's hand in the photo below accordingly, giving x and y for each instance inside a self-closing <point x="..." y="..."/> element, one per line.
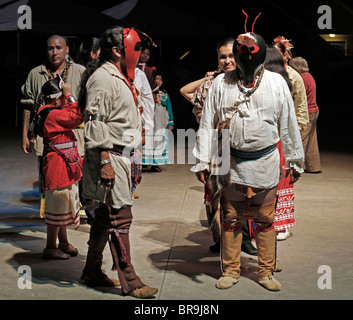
<point x="66" y="88"/>
<point x="294" y="175"/>
<point x="202" y="176"/>
<point x="26" y="145"/>
<point x="107" y="175"/>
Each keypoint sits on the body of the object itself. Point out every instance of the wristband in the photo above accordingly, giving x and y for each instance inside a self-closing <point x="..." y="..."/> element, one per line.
<point x="103" y="162"/>
<point x="70" y="98"/>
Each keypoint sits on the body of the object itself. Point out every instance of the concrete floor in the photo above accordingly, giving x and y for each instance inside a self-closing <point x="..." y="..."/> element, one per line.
<point x="170" y="239"/>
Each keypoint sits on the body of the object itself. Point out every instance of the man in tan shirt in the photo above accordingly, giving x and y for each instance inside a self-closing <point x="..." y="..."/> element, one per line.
<point x="113" y="133"/>
<point x="57" y="64"/>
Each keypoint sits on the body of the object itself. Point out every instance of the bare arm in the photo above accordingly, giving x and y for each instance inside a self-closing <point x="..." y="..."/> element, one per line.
<point x="188" y="90"/>
<point x="26" y="147"/>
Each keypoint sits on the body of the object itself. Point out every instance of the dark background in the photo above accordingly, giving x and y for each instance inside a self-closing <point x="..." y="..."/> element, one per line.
<point x="194" y="26"/>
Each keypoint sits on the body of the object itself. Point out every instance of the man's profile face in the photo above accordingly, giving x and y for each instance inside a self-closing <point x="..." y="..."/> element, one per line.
<point x="56" y="51"/>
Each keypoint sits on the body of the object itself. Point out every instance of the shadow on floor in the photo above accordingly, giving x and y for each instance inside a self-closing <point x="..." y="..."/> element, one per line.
<point x="194" y="259"/>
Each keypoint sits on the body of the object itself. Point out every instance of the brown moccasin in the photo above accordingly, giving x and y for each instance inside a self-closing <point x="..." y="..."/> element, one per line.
<point x="68" y="248"/>
<point x="101" y="280"/>
<point x="55" y="254"/>
<point x="143" y="292"/>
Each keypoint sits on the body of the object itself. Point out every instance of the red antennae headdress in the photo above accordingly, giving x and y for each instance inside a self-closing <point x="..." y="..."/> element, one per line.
<point x="246" y="21"/>
<point x="246" y="38"/>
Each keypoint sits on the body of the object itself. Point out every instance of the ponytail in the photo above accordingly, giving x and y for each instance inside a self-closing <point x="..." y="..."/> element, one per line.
<point x="33" y="128"/>
<point x="112" y="37"/>
<point x="91" y="68"/>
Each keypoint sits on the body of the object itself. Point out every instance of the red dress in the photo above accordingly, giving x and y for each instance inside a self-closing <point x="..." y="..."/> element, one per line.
<point x="62" y="165"/>
<point x="57" y="130"/>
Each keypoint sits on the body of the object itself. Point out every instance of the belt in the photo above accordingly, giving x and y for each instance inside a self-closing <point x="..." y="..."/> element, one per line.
<point x="252" y="155"/>
<point x="61" y="146"/>
<point x="66" y="145"/>
<point x="123" y="150"/>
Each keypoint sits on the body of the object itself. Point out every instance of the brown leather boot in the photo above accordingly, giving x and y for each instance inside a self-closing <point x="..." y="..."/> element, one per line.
<point x="92" y="274"/>
<point x="120" y="249"/>
<point x="98" y="280"/>
<point x="230" y="257"/>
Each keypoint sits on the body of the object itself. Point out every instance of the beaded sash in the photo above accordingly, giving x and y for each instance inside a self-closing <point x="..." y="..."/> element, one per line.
<point x="68" y="151"/>
<point x="252" y="155"/>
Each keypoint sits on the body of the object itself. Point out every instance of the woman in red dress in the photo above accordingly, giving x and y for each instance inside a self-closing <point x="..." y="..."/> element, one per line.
<point x="284" y="215"/>
<point x="62" y="166"/>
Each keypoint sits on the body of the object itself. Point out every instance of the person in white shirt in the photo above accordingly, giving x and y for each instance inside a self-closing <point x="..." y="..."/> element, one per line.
<point x="146" y="104"/>
<point x="146" y="107"/>
<point x="255" y="109"/>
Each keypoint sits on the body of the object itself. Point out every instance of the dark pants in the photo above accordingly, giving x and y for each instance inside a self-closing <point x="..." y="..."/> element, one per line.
<point x="113" y="227"/>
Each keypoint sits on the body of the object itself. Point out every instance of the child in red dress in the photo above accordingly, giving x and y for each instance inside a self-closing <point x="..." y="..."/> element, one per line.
<point x="62" y="166"/>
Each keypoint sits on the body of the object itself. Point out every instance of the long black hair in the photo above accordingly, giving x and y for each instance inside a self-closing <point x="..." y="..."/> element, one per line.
<point x="225" y="42"/>
<point x="162" y="87"/>
<point x="87" y="46"/>
<point x="112" y="37"/>
<point x="50" y="87"/>
<point x="274" y="62"/>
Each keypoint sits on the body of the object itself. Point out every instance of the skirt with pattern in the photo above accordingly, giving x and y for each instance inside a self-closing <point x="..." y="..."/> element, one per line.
<point x="62" y="206"/>
<point x="284" y="215"/>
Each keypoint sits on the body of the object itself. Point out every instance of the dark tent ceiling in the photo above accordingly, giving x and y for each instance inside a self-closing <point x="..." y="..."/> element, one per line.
<point x="69" y="18"/>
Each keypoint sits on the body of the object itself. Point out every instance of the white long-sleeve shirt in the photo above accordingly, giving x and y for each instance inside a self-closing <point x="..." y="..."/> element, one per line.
<point x="267" y="117"/>
<point x="146" y="99"/>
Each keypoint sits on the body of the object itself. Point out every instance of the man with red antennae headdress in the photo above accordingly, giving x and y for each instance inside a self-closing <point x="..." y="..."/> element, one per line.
<point x="249" y="109"/>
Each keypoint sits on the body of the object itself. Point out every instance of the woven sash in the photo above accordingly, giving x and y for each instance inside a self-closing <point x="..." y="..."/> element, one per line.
<point x="252" y="155"/>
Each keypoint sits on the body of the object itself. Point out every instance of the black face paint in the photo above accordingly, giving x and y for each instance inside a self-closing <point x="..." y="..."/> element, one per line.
<point x="250" y="59"/>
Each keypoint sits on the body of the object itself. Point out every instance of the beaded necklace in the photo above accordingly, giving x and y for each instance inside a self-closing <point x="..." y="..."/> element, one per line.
<point x="248" y="93"/>
<point x="63" y="74"/>
<point x="257" y="82"/>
